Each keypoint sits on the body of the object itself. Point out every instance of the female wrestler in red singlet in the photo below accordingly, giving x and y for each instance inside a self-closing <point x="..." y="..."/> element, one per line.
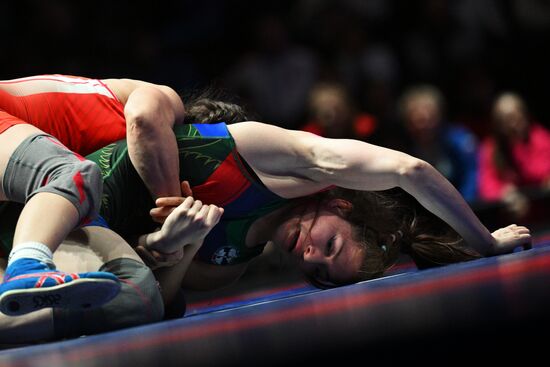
<point x="47" y="123"/>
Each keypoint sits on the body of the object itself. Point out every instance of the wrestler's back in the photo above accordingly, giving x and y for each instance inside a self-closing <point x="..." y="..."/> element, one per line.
<point x="84" y="114"/>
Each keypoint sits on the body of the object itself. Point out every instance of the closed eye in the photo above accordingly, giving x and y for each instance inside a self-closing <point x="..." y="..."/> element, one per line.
<point x="330" y="247"/>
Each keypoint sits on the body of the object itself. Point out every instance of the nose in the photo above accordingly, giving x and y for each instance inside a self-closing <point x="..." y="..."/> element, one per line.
<point x="313" y="255"/>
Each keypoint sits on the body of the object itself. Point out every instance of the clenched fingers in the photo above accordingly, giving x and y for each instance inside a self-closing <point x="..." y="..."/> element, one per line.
<point x="214" y="215"/>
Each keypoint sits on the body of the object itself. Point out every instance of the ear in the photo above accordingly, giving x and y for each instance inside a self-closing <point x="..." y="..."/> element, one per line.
<point x="340" y="206"/>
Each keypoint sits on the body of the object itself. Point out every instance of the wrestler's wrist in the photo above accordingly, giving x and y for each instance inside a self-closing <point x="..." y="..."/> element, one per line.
<point x="491" y="247"/>
<point x="152" y="241"/>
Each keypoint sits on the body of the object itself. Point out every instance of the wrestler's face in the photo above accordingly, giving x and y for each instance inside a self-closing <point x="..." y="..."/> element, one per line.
<point x="320" y="239"/>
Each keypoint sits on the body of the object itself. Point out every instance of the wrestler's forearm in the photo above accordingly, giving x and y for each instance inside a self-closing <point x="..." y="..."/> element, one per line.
<point x="170" y="278"/>
<point x="440" y="197"/>
<point x="154" y="154"/>
<point x="150" y="116"/>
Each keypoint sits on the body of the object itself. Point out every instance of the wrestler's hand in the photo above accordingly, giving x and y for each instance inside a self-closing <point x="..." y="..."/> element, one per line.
<point x="508" y="238"/>
<point x="188" y="223"/>
<point x="166" y="205"/>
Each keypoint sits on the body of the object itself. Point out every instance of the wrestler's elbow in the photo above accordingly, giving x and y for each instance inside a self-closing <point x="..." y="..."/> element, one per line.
<point x="410" y="170"/>
<point x="148" y="111"/>
<point x="142" y="129"/>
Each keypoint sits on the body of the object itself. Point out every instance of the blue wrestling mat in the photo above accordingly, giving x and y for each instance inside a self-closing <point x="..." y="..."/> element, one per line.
<point x="493" y="307"/>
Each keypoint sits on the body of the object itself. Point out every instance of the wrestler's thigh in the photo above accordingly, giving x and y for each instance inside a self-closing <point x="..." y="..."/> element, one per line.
<point x="9" y="141"/>
<point x="88" y="248"/>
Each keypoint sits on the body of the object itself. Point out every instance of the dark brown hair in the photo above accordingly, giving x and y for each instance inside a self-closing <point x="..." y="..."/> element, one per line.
<point x="206" y="107"/>
<point x="392" y="222"/>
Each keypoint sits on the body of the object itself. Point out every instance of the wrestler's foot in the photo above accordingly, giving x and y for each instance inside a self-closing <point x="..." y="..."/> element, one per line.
<point x="30" y="285"/>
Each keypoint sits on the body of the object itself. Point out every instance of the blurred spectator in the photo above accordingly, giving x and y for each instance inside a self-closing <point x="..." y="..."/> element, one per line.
<point x="516" y="156"/>
<point x="333" y="114"/>
<point x="450" y="148"/>
<point x="375" y="47"/>
<point x="276" y="77"/>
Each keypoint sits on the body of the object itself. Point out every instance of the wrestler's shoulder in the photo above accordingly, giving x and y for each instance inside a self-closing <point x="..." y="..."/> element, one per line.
<point x="123" y="87"/>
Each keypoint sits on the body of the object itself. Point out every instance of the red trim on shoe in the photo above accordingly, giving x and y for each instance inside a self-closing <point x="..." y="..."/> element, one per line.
<point x="54" y="275"/>
<point x="40" y="282"/>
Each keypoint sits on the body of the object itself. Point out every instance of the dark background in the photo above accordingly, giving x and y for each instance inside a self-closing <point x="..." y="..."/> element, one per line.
<point x="470" y="49"/>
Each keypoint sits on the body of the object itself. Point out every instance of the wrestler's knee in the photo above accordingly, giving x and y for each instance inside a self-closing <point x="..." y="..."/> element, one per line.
<point x="81" y="184"/>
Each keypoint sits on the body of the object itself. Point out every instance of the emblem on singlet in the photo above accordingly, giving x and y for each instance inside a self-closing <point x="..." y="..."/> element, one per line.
<point x="225" y="255"/>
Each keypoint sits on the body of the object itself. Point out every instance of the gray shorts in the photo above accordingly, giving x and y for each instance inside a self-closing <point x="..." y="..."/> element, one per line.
<point x="42" y="164"/>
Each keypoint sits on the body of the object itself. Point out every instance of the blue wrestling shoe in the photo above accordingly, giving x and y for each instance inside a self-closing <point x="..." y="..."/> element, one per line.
<point x="30" y="285"/>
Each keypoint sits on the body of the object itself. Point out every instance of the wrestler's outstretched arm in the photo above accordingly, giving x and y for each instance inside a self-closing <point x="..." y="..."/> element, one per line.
<point x="151" y="112"/>
<point x="281" y="156"/>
